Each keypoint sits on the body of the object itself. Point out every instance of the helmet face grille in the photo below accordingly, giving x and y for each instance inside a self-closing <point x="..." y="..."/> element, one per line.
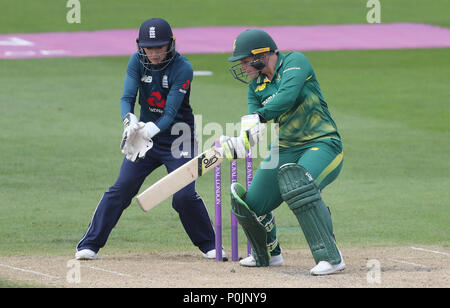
<point x="240" y="74"/>
<point x="258" y="61"/>
<point x="169" y="55"/>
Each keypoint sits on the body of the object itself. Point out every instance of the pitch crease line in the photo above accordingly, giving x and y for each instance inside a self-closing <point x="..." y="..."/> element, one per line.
<point x="107" y="271"/>
<point x="433" y="251"/>
<point x="410" y="263"/>
<point x="29" y="271"/>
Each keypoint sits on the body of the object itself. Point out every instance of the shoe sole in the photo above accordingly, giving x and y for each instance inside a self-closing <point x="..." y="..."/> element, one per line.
<point x="340" y="268"/>
<point x="270" y="264"/>
<point x="81" y="257"/>
<point x="86" y="258"/>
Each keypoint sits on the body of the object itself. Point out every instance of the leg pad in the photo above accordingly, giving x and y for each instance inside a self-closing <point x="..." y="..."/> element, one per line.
<point x="299" y="191"/>
<point x="254" y="230"/>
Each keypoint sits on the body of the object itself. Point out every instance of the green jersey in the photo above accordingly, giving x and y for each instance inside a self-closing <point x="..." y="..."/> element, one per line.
<point x="293" y="100"/>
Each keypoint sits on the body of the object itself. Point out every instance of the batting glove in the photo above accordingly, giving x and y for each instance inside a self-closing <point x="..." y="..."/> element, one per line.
<point x="233" y="148"/>
<point x="252" y="130"/>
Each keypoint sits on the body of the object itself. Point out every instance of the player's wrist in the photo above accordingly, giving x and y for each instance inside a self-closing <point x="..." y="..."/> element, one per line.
<point x="261" y="118"/>
<point x="151" y="129"/>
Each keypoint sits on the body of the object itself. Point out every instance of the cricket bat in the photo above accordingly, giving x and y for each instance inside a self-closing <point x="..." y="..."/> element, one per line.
<point x="179" y="178"/>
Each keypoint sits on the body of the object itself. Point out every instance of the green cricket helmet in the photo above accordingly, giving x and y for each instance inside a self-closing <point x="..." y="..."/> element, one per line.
<point x="251" y="43"/>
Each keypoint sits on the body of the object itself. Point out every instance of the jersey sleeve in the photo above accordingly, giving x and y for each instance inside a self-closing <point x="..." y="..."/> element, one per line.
<point x="130" y="86"/>
<point x="252" y="99"/>
<point x="295" y="72"/>
<point x="180" y="85"/>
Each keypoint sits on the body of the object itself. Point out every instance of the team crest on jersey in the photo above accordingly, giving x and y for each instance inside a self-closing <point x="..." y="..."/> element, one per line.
<point x="262" y="86"/>
<point x="278" y="78"/>
<point x="165" y="82"/>
<point x="147" y="79"/>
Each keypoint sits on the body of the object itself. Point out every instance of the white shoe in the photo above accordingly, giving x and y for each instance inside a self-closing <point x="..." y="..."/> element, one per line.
<point x="212" y="254"/>
<point x="86" y="254"/>
<point x="251" y="262"/>
<point x="326" y="268"/>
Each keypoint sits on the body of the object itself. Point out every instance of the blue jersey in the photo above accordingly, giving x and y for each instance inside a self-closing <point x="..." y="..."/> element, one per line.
<point x="163" y="95"/>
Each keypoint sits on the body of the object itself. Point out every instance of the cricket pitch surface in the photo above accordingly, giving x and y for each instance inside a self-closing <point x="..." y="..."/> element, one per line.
<point x="379" y="267"/>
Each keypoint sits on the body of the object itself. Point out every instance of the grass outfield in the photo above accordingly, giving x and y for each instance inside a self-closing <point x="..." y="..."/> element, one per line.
<point x="50" y="15"/>
<point x="60" y="150"/>
<point x="61" y="127"/>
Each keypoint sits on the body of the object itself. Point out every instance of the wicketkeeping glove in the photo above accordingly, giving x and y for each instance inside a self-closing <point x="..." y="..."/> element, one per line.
<point x="138" y="145"/>
<point x="129" y="129"/>
<point x="151" y="129"/>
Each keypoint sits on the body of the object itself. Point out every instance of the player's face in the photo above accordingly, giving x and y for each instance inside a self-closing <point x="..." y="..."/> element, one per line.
<point x="156" y="54"/>
<point x="250" y="70"/>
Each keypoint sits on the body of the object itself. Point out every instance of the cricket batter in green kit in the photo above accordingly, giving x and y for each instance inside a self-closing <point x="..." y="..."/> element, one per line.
<point x="283" y="88"/>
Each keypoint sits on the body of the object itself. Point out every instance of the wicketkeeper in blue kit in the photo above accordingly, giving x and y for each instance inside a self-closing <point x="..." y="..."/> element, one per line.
<point x="163" y="79"/>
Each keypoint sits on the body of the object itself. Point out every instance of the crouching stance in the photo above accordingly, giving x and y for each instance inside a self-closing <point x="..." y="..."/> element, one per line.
<point x="299" y="190"/>
<point x="307" y="156"/>
<point x="162" y="77"/>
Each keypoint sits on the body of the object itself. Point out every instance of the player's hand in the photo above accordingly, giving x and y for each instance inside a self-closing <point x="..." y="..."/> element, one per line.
<point x="252" y="130"/>
<point x="233" y="147"/>
<point x="130" y="125"/>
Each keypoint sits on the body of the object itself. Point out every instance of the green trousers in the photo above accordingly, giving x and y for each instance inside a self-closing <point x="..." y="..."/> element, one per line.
<point x="323" y="159"/>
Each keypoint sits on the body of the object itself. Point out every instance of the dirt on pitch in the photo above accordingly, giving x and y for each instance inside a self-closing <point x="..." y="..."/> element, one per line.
<point x="414" y="267"/>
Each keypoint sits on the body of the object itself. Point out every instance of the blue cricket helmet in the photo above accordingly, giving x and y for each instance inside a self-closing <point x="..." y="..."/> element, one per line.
<point x="155" y="32"/>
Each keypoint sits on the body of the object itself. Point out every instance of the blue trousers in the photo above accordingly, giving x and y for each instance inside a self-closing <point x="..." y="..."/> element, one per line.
<point x="189" y="205"/>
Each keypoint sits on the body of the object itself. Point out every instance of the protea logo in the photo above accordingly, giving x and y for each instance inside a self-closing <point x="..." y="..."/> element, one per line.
<point x="151" y="32"/>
